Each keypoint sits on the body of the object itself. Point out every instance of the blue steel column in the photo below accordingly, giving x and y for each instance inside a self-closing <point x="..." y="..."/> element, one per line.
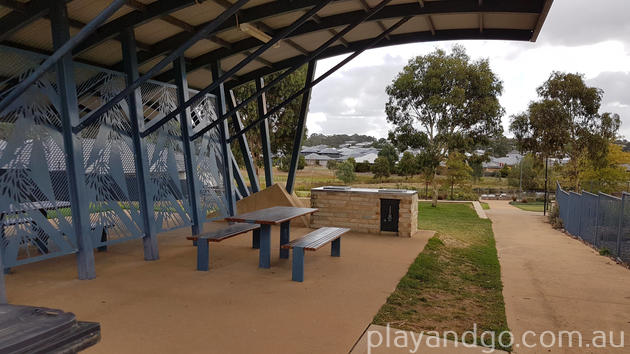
<point x="136" y="119"/>
<point x="68" y="103"/>
<point x="225" y="134"/>
<point x="241" y="187"/>
<point x="3" y="292"/>
<point x="264" y="134"/>
<point x="185" y="122"/>
<point x="299" y="131"/>
<point x="244" y="145"/>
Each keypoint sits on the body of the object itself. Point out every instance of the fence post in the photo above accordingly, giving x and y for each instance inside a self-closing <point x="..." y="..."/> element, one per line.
<point x="595" y="241"/>
<point x="3" y="293"/>
<point x="620" y="229"/>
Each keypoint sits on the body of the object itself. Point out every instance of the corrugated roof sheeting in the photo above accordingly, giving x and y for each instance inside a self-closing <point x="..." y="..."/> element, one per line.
<point x="455" y="21"/>
<point x="201" y="47"/>
<point x="107" y="53"/>
<point x="4" y="11"/>
<point x="416" y="24"/>
<point x="517" y="21"/>
<point x="338" y="7"/>
<point x="198" y="13"/>
<point x="199" y="78"/>
<point x="36" y="35"/>
<point x="151" y="63"/>
<point x="155" y="31"/>
<point x="86" y="10"/>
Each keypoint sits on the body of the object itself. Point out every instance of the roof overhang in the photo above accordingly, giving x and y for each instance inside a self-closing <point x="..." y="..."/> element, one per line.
<point x="161" y="26"/>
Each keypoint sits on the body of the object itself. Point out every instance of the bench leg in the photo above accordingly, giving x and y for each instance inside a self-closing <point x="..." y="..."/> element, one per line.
<point x="298" y="264"/>
<point x="335" y="248"/>
<point x="285" y="237"/>
<point x="203" y="255"/>
<point x="264" y="260"/>
<point x="103" y="239"/>
<point x="256" y="239"/>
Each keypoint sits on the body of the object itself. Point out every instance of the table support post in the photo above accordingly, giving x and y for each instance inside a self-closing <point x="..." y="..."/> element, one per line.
<point x="285" y="237"/>
<point x="335" y="248"/>
<point x="297" y="272"/>
<point x="256" y="239"/>
<point x="203" y="255"/>
<point x="265" y="246"/>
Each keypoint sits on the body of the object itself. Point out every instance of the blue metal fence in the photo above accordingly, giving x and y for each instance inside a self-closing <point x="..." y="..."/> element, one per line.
<point x="601" y="220"/>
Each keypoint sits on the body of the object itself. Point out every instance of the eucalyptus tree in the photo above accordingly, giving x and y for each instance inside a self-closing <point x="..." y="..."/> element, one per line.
<point x="443" y="102"/>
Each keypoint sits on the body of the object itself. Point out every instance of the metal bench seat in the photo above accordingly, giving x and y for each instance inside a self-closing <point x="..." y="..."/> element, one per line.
<point x="218" y="235"/>
<point x="312" y="242"/>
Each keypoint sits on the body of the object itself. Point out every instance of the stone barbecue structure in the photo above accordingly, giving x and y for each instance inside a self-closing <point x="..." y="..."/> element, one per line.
<point x="377" y="211"/>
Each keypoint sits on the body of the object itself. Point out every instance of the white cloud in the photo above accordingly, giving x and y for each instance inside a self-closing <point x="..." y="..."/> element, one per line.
<point x="352" y="100"/>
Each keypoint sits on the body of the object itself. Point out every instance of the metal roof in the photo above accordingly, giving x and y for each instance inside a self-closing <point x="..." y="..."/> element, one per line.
<point x="163" y="25"/>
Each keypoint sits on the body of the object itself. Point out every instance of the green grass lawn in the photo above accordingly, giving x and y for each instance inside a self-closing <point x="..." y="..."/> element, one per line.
<point x="456" y="280"/>
<point x="485" y="206"/>
<point x="533" y="206"/>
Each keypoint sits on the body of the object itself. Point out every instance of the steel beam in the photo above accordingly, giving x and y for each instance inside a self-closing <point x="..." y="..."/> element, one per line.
<point x="244" y="146"/>
<point x="395" y="39"/>
<point x="388" y="13"/>
<point x="185" y="123"/>
<point x="136" y="119"/>
<point x="224" y="132"/>
<point x="68" y="103"/>
<point x="345" y="61"/>
<point x="299" y="130"/>
<point x="313" y="55"/>
<point x="238" y="176"/>
<point x="217" y="81"/>
<point x="264" y="134"/>
<point x="179" y="52"/>
<point x="62" y="50"/>
<point x="249" y="15"/>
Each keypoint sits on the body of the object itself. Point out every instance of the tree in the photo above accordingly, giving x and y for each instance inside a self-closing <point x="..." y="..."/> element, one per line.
<point x="566" y="121"/>
<point x="345" y="172"/>
<point x="457" y="170"/>
<point x="389" y="152"/>
<point x="444" y="102"/>
<point x="408" y="165"/>
<point x="381" y="168"/>
<point x="282" y="124"/>
<point x="608" y="176"/>
<point x="332" y="164"/>
<point x="301" y="162"/>
<point x="353" y="162"/>
<point x="531" y="173"/>
<point x="504" y="171"/>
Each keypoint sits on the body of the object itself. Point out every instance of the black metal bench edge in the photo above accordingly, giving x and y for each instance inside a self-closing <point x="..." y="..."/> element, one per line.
<point x="203" y="248"/>
<point x="312" y="242"/>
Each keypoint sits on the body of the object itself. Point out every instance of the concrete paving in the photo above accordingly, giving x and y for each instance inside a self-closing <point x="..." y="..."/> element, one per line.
<point x="167" y="306"/>
<point x="554" y="282"/>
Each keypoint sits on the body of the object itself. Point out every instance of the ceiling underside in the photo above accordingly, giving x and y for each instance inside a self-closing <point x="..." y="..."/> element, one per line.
<point x="163" y="25"/>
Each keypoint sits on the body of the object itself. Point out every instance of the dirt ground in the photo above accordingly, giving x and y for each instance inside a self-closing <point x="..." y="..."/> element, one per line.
<point x="553" y="282"/>
<point x="167" y="306"/>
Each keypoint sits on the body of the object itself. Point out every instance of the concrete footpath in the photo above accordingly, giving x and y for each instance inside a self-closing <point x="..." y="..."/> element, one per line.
<point x="555" y="283"/>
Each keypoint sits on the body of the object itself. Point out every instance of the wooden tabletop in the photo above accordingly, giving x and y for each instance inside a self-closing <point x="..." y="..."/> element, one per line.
<point x="272" y="216"/>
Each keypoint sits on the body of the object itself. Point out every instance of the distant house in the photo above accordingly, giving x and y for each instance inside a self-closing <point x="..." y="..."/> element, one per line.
<point x="316" y="160"/>
<point x="369" y="158"/>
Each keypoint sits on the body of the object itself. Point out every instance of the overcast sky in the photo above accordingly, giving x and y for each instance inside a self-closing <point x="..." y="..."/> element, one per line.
<point x="592" y="38"/>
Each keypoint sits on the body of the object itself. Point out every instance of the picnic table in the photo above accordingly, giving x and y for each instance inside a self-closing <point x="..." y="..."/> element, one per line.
<point x="280" y="215"/>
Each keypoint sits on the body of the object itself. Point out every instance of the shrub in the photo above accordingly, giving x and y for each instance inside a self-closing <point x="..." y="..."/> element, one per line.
<point x="513" y="198"/>
<point x="524" y="200"/>
<point x="345" y="172"/>
<point x="362" y="167"/>
<point x="554" y="217"/>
